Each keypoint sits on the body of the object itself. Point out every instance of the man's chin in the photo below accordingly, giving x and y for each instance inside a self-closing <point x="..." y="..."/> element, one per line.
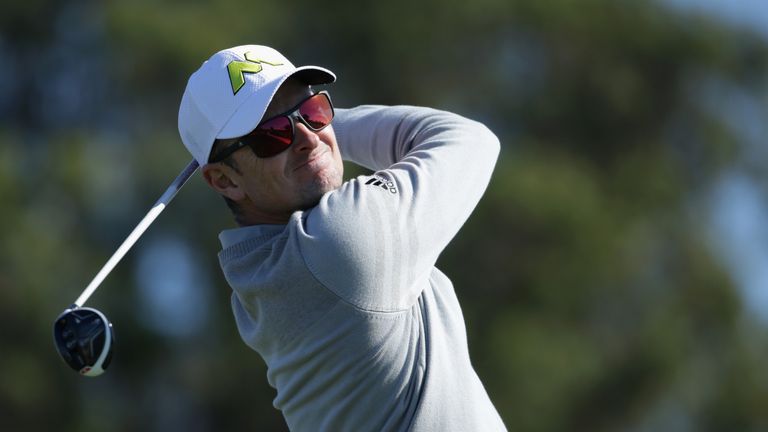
<point x="315" y="190"/>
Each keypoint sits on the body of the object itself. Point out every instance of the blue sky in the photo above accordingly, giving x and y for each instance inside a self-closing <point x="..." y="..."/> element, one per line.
<point x="748" y="13"/>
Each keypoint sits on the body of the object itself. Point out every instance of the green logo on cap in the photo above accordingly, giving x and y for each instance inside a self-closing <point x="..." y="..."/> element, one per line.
<point x="236" y="70"/>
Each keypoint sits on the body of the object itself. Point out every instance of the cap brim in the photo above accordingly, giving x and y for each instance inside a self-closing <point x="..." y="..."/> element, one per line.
<point x="249" y="114"/>
<point x="314" y="75"/>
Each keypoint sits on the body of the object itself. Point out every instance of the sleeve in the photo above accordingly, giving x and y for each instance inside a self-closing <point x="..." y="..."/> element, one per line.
<point x="374" y="238"/>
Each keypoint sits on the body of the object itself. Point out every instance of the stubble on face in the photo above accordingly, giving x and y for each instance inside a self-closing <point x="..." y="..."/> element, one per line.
<point x="328" y="178"/>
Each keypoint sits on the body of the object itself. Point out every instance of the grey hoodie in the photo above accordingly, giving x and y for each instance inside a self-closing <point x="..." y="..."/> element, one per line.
<point x="358" y="329"/>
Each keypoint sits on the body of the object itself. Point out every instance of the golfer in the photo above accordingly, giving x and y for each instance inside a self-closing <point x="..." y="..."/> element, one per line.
<point x="333" y="282"/>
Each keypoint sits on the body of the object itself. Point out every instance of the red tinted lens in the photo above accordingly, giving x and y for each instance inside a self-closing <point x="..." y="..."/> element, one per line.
<point x="317" y="111"/>
<point x="270" y="137"/>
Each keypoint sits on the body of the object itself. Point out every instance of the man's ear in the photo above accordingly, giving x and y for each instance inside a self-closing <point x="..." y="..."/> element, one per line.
<point x="223" y="180"/>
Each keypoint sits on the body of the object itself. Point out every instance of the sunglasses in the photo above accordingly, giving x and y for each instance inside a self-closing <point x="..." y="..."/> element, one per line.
<point x="272" y="136"/>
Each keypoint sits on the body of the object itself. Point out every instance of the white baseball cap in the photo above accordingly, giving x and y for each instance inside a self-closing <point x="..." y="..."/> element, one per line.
<point x="228" y="95"/>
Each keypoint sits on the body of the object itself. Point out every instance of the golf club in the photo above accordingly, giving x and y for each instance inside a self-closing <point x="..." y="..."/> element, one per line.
<point x="83" y="336"/>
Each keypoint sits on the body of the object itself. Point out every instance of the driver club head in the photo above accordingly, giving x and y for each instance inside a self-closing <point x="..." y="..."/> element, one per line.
<point x="84" y="337"/>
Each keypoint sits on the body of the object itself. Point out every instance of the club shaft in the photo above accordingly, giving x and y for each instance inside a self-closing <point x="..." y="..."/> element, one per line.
<point x="153" y="213"/>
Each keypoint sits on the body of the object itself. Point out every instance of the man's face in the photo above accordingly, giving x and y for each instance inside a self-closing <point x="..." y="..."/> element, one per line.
<point x="295" y="179"/>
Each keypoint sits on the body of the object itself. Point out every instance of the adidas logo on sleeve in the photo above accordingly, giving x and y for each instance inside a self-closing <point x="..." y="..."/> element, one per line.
<point x="383" y="183"/>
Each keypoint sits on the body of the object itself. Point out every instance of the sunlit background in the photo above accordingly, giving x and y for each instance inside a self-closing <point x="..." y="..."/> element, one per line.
<point x="614" y="277"/>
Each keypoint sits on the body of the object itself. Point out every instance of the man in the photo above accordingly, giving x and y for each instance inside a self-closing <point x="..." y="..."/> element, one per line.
<point x="334" y="283"/>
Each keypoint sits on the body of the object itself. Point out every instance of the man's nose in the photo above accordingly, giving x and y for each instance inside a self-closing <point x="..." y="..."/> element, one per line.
<point x="305" y="139"/>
